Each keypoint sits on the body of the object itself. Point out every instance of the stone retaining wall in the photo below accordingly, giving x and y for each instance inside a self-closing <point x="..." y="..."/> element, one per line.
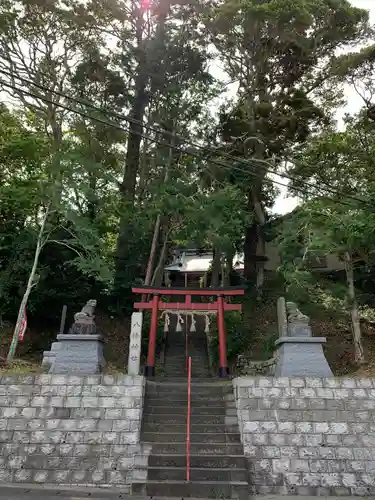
<point x="308" y="436"/>
<point x="70" y="430"/>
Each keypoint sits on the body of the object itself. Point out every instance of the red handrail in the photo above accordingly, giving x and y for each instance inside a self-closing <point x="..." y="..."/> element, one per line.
<point x="188" y="423"/>
<point x="186" y="343"/>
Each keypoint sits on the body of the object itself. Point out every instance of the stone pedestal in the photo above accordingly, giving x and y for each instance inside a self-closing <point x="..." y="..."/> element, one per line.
<point x="301" y="356"/>
<point x="50" y="356"/>
<point x="298" y="353"/>
<point x="78" y="354"/>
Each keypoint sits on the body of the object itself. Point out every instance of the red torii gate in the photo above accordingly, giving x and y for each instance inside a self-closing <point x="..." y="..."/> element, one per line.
<point x="219" y="305"/>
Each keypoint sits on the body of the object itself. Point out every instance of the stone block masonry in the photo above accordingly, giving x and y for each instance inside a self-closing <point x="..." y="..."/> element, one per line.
<point x="70" y="430"/>
<point x="308" y="436"/>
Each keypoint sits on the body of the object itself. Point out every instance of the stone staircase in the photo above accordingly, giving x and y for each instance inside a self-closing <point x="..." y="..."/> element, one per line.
<point x="218" y="467"/>
<point x="175" y="360"/>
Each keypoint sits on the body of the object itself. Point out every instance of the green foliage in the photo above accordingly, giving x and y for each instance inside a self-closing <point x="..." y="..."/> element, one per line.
<point x="343" y="227"/>
<point x="216" y="218"/>
<point x="237" y="337"/>
<point x="343" y="161"/>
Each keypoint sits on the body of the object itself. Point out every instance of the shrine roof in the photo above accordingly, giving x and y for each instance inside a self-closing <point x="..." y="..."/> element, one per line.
<point x="195" y="263"/>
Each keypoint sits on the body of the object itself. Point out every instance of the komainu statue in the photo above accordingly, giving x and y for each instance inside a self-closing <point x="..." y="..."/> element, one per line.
<point x="84" y="321"/>
<point x="294" y="315"/>
<point x="87" y="311"/>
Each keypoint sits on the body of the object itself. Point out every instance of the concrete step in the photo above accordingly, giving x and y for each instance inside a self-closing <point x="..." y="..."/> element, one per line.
<point x="173" y="372"/>
<point x="194" y="351"/>
<point x="194" y="428"/>
<point x="182" y="388"/>
<point x="195" y="354"/>
<point x="199" y="489"/>
<point x="168" y="419"/>
<point x="199" y="411"/>
<point x="197" y="363"/>
<point x="208" y="381"/>
<point x="181" y="365"/>
<point x="198" y="461"/>
<point x="201" y="474"/>
<point x="169" y="437"/>
<point x="196" y="357"/>
<point x="192" y="339"/>
<point x="222" y="449"/>
<point x="178" y="400"/>
<point x="199" y="366"/>
<point x="181" y="371"/>
<point x="220" y="397"/>
<point x="180" y="394"/>
<point x="196" y="347"/>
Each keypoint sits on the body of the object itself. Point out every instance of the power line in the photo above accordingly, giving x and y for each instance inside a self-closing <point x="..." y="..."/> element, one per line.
<point x="263" y="164"/>
<point x="125" y="129"/>
<point x="157" y="141"/>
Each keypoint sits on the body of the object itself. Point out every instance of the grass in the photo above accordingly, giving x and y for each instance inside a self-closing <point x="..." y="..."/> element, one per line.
<point x="112" y="369"/>
<point x="19" y="366"/>
<point x="28" y="362"/>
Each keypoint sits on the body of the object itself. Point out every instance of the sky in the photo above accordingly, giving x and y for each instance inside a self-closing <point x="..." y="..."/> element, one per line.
<point x="285" y="204"/>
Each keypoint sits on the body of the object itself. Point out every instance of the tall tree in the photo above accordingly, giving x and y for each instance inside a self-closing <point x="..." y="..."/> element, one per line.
<point x="280" y="53"/>
<point x="169" y="68"/>
<point x="40" y="45"/>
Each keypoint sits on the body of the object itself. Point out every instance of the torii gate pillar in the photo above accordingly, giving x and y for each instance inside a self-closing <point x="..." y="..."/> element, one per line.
<point x="150" y="366"/>
<point x="223" y="368"/>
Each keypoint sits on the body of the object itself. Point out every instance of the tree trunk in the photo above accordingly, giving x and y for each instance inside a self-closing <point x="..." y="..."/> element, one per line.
<point x="254" y="247"/>
<point x="135" y="134"/>
<point x="159" y="271"/>
<point x="228" y="267"/>
<point x="216" y="268"/>
<point x="30" y="285"/>
<point x="356" y="327"/>
<point x="261" y="246"/>
<point x="124" y="270"/>
<point x="158" y="218"/>
<point x="127" y="188"/>
<point x="146" y="163"/>
<point x="250" y="251"/>
<point x="92" y="200"/>
<point x="261" y="250"/>
<point x="128" y="185"/>
<point x="253" y="267"/>
<point x="125" y="265"/>
<point x="154" y="243"/>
